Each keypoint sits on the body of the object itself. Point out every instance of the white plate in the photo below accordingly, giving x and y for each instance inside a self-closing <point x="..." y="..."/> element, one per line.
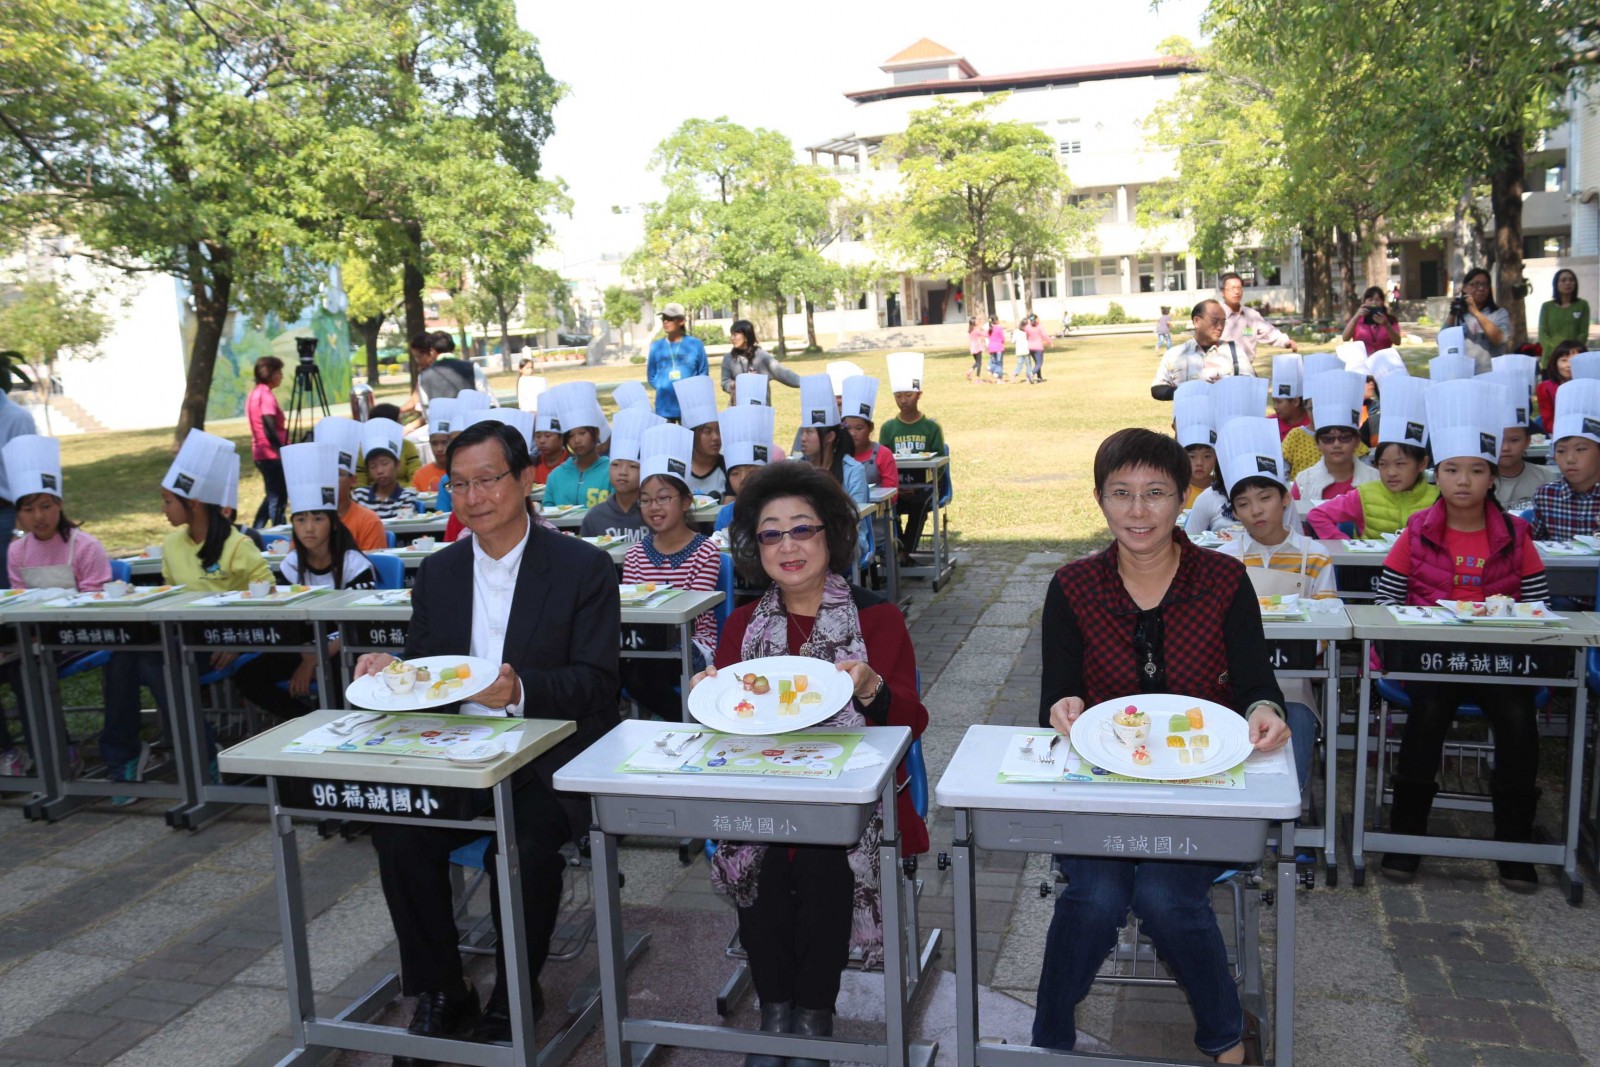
<point x="145" y="594"/>
<point x="281" y="594"/>
<point x="604" y="540"/>
<point x="638" y="594"/>
<point x="1226" y="728"/>
<point x="1523" y="614"/>
<point x="713" y="701"/>
<point x="1288" y="606"/>
<point x="558" y="509"/>
<point x="703" y="501"/>
<point x="370" y="691"/>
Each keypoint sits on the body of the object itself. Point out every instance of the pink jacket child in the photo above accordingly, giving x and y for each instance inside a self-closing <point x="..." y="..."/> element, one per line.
<point x="997" y="339"/>
<point x="1425" y="555"/>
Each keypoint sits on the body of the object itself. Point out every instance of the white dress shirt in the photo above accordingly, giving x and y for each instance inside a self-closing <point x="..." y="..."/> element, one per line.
<point x="494" y="583"/>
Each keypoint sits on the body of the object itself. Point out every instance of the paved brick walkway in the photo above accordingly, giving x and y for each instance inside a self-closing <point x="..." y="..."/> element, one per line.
<point x="122" y="942"/>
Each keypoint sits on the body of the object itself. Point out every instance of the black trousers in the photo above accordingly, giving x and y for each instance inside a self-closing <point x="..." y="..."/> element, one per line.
<point x="913" y="505"/>
<point x="797" y="933"/>
<point x="414" y="868"/>
<point x="1511" y="715"/>
<point x="258" y="682"/>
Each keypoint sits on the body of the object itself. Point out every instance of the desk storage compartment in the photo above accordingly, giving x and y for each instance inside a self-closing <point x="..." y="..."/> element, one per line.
<point x="1232" y="841"/>
<point x="733" y="820"/>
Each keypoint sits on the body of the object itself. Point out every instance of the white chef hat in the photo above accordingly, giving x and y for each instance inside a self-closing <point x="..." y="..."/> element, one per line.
<point x="1191" y="414"/>
<point x="628" y="429"/>
<point x="1315" y="363"/>
<point x="860" y="397"/>
<point x="1383" y="363"/>
<point x="1585" y="364"/>
<point x="230" y="482"/>
<point x="33" y="465"/>
<point x="1403" y="418"/>
<point x="1351" y="352"/>
<point x="1360" y="362"/>
<point x="382" y="435"/>
<point x="817" y="406"/>
<point x="1249" y="447"/>
<point x="199" y="470"/>
<point x="1451" y="368"/>
<point x="1336" y="397"/>
<point x="630" y="394"/>
<point x="1465" y="417"/>
<point x="838" y="371"/>
<point x="311" y="473"/>
<point x="530" y="387"/>
<point x="345" y="437"/>
<point x="666" y="449"/>
<point x="747" y="435"/>
<point x="470" y="400"/>
<point x="442" y="416"/>
<point x="1286" y="376"/>
<point x="751" y="388"/>
<point x="1521" y="363"/>
<point x="519" y="420"/>
<point x="1237" y="396"/>
<point x="1511" y="382"/>
<point x="575" y="404"/>
<point x="697" y="400"/>
<point x="1452" y="341"/>
<point x="1578" y="410"/>
<point x="905" y="372"/>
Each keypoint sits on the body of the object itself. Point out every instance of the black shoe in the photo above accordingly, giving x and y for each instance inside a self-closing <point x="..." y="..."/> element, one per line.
<point x="440" y="1014"/>
<point x="1519" y="877"/>
<point x="776" y="1018"/>
<point x="494" y="1028"/>
<point x="1400" y="866"/>
<point x="812" y="1022"/>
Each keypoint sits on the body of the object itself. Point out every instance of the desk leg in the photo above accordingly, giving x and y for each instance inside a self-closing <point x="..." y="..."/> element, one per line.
<point x="1283" y="1000"/>
<point x="325" y="679"/>
<point x="966" y="936"/>
<point x="49" y="748"/>
<point x="608" y="943"/>
<point x="513" y="923"/>
<point x="186" y="722"/>
<point x="1572" y="880"/>
<point x="1358" y="810"/>
<point x="1330" y="770"/>
<point x="895" y="948"/>
<point x="686" y="661"/>
<point x="292" y="921"/>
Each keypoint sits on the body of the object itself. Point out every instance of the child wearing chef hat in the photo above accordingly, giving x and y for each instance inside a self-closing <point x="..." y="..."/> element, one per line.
<point x="1191" y="422"/>
<point x="585" y="478"/>
<point x="442" y="429"/>
<point x="1300" y="444"/>
<point x="1516" y="481"/>
<point x="1288" y="393"/>
<point x="54" y="553"/>
<point x="697" y="400"/>
<point x="857" y="408"/>
<point x="1570" y="507"/>
<point x="381" y="445"/>
<point x="1336" y="401"/>
<point x="618" y="515"/>
<point x="344" y="437"/>
<point x="911" y="432"/>
<point x="1465" y="547"/>
<point x="824" y="443"/>
<point x="1400" y="491"/>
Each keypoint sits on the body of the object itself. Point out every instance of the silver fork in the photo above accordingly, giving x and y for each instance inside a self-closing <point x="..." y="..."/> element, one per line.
<point x="685" y="743"/>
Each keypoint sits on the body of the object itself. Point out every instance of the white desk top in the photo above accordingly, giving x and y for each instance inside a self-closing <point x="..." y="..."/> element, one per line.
<point x="881" y="493"/>
<point x="1318" y="626"/>
<point x="1344" y="557"/>
<point x="1371" y="622"/>
<point x="341" y="607"/>
<point x="263" y="754"/>
<point x="182" y="608"/>
<point x="680" y="609"/>
<point x="595" y="771"/>
<point x="91" y="614"/>
<point x="933" y="463"/>
<point x="970" y="782"/>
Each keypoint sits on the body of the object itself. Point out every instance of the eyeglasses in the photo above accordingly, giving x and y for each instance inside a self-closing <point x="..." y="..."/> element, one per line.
<point x="662" y="500"/>
<point x="1122" y="500"/>
<point x="802" y="532"/>
<point x="482" y="485"/>
<point x="1342" y="438"/>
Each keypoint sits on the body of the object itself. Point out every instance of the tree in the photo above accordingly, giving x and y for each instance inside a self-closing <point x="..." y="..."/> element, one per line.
<point x="373" y="292"/>
<point x="43" y="319"/>
<point x="968" y="189"/>
<point x="622" y="309"/>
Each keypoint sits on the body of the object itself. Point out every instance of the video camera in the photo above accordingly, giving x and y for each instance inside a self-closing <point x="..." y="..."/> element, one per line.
<point x="307" y="347"/>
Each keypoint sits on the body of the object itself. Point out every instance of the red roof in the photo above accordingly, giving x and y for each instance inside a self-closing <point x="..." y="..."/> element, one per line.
<point x="1133" y="68"/>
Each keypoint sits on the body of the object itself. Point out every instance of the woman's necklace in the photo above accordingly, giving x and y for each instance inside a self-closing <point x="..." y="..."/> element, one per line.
<point x="805" y="635"/>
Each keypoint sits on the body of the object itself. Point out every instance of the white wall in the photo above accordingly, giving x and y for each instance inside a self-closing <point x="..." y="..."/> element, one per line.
<point x="136" y="382"/>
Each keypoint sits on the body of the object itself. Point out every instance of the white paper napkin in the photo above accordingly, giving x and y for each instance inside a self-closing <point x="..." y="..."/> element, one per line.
<point x="1266" y="763"/>
<point x="864" y="756"/>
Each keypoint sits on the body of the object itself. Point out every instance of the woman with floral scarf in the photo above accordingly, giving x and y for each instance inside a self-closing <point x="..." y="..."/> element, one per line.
<point x="802" y="909"/>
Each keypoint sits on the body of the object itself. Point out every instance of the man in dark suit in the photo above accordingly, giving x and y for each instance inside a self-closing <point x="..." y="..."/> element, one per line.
<point x="545" y="608"/>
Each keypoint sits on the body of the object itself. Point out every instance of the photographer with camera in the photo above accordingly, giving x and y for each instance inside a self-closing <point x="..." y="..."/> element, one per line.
<point x="1487" y="325"/>
<point x="1373" y="324"/>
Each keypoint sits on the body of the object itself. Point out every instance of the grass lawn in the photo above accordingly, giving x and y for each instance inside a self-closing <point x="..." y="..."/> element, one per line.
<point x="1021" y="455"/>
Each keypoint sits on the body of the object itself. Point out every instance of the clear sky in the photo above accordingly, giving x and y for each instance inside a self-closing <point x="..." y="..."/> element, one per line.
<point x="634" y="71"/>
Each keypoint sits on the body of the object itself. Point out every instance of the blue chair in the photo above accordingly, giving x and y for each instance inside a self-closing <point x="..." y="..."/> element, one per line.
<point x="725" y="582"/>
<point x="121" y="570"/>
<point x="391" y="571"/>
<point x="947" y="489"/>
<point x="389" y="536"/>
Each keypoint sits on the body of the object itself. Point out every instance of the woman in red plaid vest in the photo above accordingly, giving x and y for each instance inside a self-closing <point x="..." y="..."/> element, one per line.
<point x="1149" y="614"/>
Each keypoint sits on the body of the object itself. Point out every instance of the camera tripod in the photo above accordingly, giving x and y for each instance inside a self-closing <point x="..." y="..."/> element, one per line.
<point x="307" y="384"/>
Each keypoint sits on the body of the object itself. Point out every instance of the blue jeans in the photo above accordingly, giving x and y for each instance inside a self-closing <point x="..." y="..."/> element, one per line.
<point x="120" y="683"/>
<point x="997" y="364"/>
<point x="1173" y="902"/>
<point x="1302" y="738"/>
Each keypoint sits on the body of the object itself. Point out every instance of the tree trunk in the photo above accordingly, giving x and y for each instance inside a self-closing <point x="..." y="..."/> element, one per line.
<point x="1378" y="257"/>
<point x="411" y="284"/>
<point x="778" y="348"/>
<point x="211" y="316"/>
<point x="811" y="326"/>
<point x="1318" y="279"/>
<point x="1347" y="272"/>
<point x="1032" y="279"/>
<point x="1466" y="246"/>
<point x="1506" y="197"/>
<point x="369" y="339"/>
<point x="978" y="297"/>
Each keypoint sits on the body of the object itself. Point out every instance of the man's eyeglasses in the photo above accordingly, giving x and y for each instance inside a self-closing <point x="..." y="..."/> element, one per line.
<point x="802" y="532"/>
<point x="482" y="485"/>
<point x="1123" y="500"/>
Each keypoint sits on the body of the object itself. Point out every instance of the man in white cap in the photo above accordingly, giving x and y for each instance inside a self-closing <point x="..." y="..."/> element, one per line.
<point x="673" y="357"/>
<point x="1245" y="326"/>
<point x="618" y="514"/>
<point x="14" y="422"/>
<point x="857" y="408"/>
<point x="1567" y="508"/>
<point x="697" y="402"/>
<point x="1204" y="357"/>
<point x="910" y="432"/>
<point x="543" y="608"/>
<point x="584" y="479"/>
<point x="344" y="435"/>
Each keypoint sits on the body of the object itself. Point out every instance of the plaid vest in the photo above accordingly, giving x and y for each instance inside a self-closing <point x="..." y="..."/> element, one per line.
<point x="1195" y="650"/>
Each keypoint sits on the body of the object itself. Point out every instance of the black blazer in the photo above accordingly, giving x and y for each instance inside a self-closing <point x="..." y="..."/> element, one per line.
<point x="562" y="638"/>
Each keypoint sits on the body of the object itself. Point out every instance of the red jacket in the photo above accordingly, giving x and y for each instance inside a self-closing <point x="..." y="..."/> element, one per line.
<point x="1433" y="569"/>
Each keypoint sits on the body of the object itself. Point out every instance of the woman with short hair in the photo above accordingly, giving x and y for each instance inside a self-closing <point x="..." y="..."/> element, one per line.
<point x="268" y="435"/>
<point x="748" y="357"/>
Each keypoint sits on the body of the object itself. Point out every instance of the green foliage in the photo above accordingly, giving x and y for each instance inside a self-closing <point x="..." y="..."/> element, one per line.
<point x="708" y="333"/>
<point x="43" y="319"/>
<point x="638" y="360"/>
<point x="622" y="308"/>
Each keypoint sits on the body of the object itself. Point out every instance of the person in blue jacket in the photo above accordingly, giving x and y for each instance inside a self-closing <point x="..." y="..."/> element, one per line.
<point x="673" y="358"/>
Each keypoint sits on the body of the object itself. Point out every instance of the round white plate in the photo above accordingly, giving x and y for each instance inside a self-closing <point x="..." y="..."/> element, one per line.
<point x="1094" y="740"/>
<point x="713" y="701"/>
<point x="372" y="692"/>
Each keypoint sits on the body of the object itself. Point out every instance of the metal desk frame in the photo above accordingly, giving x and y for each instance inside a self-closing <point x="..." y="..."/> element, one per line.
<point x="938" y="533"/>
<point x="1331" y="629"/>
<point x="45" y="769"/>
<point x="1373" y="624"/>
